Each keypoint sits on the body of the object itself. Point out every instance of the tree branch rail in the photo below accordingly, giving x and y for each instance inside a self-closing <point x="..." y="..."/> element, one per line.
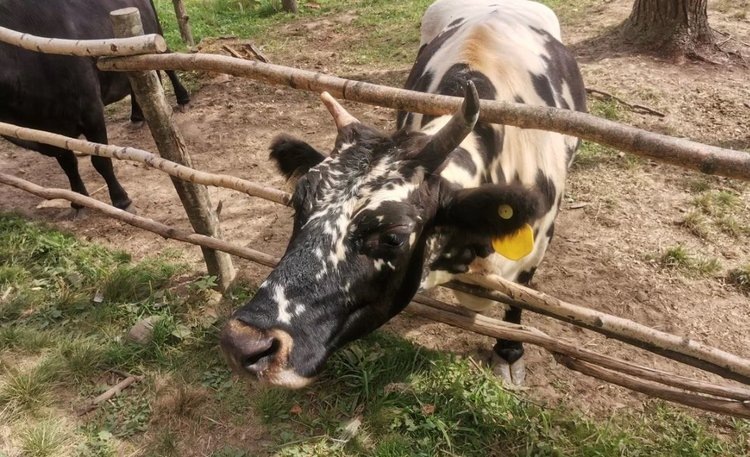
<point x="146" y="44"/>
<point x="676" y="151"/>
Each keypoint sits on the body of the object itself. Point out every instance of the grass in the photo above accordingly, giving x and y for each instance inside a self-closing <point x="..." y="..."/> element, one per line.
<point x="716" y="211"/>
<point x="678" y="258"/>
<point x="740" y="278"/>
<point x="381" y="32"/>
<point x="379" y="396"/>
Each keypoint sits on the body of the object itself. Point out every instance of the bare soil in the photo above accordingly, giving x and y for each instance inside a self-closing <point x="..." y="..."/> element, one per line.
<point x="603" y="255"/>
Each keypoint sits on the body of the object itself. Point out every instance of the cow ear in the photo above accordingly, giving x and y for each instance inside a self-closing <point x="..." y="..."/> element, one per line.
<point x="294" y="157"/>
<point x="500" y="212"/>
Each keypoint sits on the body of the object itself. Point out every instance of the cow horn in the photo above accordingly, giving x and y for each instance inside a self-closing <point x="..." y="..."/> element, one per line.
<point x="453" y="133"/>
<point x="340" y="115"/>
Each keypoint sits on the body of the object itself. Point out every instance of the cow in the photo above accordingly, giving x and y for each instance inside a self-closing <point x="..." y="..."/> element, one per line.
<point x="64" y="94"/>
<point x="385" y="215"/>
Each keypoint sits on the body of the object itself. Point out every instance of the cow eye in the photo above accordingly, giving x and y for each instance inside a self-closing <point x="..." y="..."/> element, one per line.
<point x="393" y="239"/>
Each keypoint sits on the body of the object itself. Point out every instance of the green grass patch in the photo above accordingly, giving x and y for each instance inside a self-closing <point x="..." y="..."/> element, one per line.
<point x="378" y="32"/>
<point x="678" y="258"/>
<point x="438" y="404"/>
<point x="740" y="278"/>
<point x="717" y="210"/>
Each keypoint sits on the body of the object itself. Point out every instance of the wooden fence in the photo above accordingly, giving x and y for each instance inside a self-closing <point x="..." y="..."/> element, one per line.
<point x="731" y="399"/>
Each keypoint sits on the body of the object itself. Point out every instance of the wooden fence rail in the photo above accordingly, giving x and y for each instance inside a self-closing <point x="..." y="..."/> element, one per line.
<point x="676" y="151"/>
<point x="146" y="44"/>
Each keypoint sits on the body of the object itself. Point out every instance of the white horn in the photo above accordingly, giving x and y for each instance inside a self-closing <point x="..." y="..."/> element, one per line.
<point x="340" y="115"/>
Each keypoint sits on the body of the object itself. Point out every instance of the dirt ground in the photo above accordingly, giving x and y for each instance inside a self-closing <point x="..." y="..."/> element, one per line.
<point x="626" y="213"/>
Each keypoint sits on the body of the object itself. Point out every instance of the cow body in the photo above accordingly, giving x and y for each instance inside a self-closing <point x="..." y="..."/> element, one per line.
<point x="383" y="216"/>
<point x="64" y="94"/>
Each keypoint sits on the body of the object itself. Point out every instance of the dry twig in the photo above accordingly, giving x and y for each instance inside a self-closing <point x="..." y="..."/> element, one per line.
<point x="634" y="107"/>
<point x="232" y="51"/>
<point x="110" y="393"/>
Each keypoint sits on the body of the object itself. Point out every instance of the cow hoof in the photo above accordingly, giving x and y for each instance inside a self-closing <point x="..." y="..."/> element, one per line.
<point x="80" y="214"/>
<point x="130" y="208"/>
<point x="512" y="374"/>
<point x="136" y="125"/>
<point x="183" y="107"/>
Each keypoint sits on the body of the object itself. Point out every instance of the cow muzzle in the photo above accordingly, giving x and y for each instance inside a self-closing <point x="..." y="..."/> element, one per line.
<point x="262" y="353"/>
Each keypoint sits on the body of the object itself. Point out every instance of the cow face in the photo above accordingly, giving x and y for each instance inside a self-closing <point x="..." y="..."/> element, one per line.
<point x="357" y="252"/>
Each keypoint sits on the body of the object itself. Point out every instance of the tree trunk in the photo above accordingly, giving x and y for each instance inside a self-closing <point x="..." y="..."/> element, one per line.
<point x="289" y="6"/>
<point x="674" y="27"/>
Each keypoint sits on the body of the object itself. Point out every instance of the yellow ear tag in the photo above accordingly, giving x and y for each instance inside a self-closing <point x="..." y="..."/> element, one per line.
<point x="517" y="245"/>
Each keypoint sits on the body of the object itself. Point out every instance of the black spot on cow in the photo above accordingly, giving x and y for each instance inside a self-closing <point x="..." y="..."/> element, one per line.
<point x="421" y="85"/>
<point x="519" y="99"/>
<point x="456" y="22"/>
<point x="463" y="159"/>
<point x="453" y="84"/>
<point x="526" y="276"/>
<point x="426" y="53"/>
<point x="562" y="67"/>
<point x="548" y="190"/>
<point x="543" y="88"/>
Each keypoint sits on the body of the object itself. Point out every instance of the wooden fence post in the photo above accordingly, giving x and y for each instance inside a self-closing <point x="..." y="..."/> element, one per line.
<point x="182" y="22"/>
<point x="150" y="95"/>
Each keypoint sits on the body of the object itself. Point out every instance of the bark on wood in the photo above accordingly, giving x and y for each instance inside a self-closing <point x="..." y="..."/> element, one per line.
<point x="152" y="160"/>
<point x="715" y="360"/>
<point x="728" y="407"/>
<point x="146" y="44"/>
<point x="158" y="113"/>
<point x="423" y="306"/>
<point x="183" y="22"/>
<point x="669" y="26"/>
<point x="116" y="389"/>
<point x="681" y="152"/>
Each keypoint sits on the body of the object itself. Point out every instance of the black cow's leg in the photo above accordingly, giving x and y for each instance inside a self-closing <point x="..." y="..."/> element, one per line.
<point x="136" y="114"/>
<point x="69" y="163"/>
<point x="96" y="131"/>
<point x="182" y="95"/>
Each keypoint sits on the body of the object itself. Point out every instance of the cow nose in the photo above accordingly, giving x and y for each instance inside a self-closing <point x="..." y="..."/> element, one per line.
<point x="248" y="348"/>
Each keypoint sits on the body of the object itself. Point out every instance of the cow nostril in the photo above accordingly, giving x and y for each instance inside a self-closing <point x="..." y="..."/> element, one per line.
<point x="261" y="357"/>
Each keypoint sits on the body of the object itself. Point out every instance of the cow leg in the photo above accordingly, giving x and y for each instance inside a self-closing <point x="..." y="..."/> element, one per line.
<point x="136" y="114"/>
<point x="69" y="163"/>
<point x="507" y="360"/>
<point x="182" y="95"/>
<point x="96" y="131"/>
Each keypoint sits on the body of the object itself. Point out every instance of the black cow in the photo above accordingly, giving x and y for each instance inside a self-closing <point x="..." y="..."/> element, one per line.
<point x="64" y="94"/>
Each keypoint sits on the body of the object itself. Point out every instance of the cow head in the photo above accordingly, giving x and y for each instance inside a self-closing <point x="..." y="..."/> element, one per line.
<point x="357" y="252"/>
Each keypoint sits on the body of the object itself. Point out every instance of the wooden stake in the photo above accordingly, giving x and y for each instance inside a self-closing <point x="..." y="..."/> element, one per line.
<point x="182" y="22"/>
<point x="158" y="113"/>
<point x="676" y="151"/>
<point x="146" y="44"/>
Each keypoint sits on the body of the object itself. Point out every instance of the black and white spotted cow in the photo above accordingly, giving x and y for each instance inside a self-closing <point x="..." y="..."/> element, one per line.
<point x="387" y="214"/>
